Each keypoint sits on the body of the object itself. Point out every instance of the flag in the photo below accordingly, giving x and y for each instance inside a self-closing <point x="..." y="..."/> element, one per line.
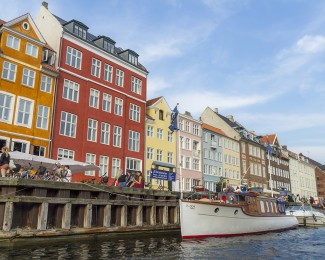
<point x="269" y="148"/>
<point x="173" y="120"/>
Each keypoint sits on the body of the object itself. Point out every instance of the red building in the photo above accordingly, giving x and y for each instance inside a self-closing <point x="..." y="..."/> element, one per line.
<point x="100" y="101"/>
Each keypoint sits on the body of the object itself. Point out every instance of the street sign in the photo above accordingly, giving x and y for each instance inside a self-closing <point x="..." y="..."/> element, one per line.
<point x="163" y="175"/>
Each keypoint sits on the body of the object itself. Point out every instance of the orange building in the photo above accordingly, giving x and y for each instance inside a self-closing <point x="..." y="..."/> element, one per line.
<point x="27" y="87"/>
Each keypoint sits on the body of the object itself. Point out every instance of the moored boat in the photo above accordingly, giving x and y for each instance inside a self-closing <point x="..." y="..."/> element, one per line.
<point x="306" y="215"/>
<point x="245" y="214"/>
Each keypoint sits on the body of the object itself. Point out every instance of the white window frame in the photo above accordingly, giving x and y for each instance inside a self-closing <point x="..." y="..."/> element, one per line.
<point x="150" y="153"/>
<point x="105" y="133"/>
<point x="107" y="102"/>
<point x="72" y="124"/>
<point x="31" y="50"/>
<point x="103" y="165"/>
<point x="134" y="141"/>
<point x="119" y="80"/>
<point x="150" y="130"/>
<point x="118" y="106"/>
<point x="73" y="58"/>
<point x="28" y="78"/>
<point x="70" y="90"/>
<point x="96" y="67"/>
<point x="108" y="73"/>
<point x="136" y="85"/>
<point x="170" y="137"/>
<point x="29" y="113"/>
<point x="159" y="155"/>
<point x="117" y="136"/>
<point x="43" y="113"/>
<point x="116" y="166"/>
<point x="94" y="98"/>
<point x="9" y="108"/>
<point x="79" y="31"/>
<point x="133" y="164"/>
<point x="15" y="140"/>
<point x="13" y="42"/>
<point x="92" y="130"/>
<point x="46" y="84"/>
<point x="90" y="159"/>
<point x="135" y="112"/>
<point x="65" y="153"/>
<point x="11" y="70"/>
<point x="170" y="157"/>
<point x="160" y="133"/>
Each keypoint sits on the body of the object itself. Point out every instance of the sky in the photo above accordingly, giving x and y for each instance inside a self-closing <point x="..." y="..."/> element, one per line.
<point x="261" y="61"/>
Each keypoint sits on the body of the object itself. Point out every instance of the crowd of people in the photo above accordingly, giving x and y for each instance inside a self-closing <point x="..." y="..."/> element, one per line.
<point x="128" y="179"/>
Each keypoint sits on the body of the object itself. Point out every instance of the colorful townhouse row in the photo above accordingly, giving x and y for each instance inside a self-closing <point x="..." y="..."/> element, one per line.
<point x="66" y="93"/>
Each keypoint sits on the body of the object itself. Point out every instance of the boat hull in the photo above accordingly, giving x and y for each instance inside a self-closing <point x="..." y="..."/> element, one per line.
<point x="202" y="219"/>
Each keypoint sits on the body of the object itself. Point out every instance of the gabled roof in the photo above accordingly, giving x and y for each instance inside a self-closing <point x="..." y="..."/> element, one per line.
<point x="153" y="101"/>
<point x="213" y="129"/>
<point x="271" y="138"/>
<point x="312" y="161"/>
<point x="229" y="122"/>
<point x="2" y="22"/>
<point x="150" y="117"/>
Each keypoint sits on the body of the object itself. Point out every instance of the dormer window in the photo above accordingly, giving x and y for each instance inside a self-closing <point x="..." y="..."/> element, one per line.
<point x="133" y="59"/>
<point x="108" y="46"/>
<point x="81" y="32"/>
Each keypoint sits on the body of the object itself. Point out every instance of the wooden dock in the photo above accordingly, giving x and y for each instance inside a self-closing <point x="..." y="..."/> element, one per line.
<point x="35" y="208"/>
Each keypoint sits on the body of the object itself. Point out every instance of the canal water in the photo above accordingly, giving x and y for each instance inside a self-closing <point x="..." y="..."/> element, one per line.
<point x="301" y="243"/>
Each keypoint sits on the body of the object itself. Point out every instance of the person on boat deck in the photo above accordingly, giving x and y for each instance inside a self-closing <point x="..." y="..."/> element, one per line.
<point x="122" y="180"/>
<point x="67" y="173"/>
<point x="129" y="178"/>
<point x="238" y="189"/>
<point x="4" y="161"/>
<point x="138" y="182"/>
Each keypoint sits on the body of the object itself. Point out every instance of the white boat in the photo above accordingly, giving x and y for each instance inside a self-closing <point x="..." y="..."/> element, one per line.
<point x="247" y="214"/>
<point x="306" y="215"/>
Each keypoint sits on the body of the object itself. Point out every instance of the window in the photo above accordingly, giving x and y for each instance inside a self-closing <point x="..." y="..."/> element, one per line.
<point x="195" y="129"/>
<point x="159" y="155"/>
<point x="95" y="67"/>
<point x="187" y="144"/>
<point x="104" y="135"/>
<point x="170" y="157"/>
<point x="42" y="117"/>
<point x="107" y="101"/>
<point x="133" y="164"/>
<point x="196" y="164"/>
<point x="91" y="159"/>
<point x="188" y="184"/>
<point x="133" y="59"/>
<point x="118" y="107"/>
<point x="68" y="124"/>
<point x="13" y="42"/>
<point x="92" y="130"/>
<point x="116" y="166"/>
<point x="149" y="153"/>
<point x="134" y="112"/>
<point x="150" y="130"/>
<point x="46" y="84"/>
<point x="117" y="136"/>
<point x="9" y="71"/>
<point x="108" y="46"/>
<point x="161" y="114"/>
<point x="136" y="85"/>
<point x="28" y="78"/>
<point x="20" y="145"/>
<point x="39" y="150"/>
<point x="31" y="50"/>
<point x="73" y="58"/>
<point x="6" y="107"/>
<point x="65" y="153"/>
<point x="103" y="164"/>
<point x="94" y="98"/>
<point x="180" y="124"/>
<point x="159" y="134"/>
<point x="24" y="113"/>
<point x="187" y="162"/>
<point x="81" y="32"/>
<point x="170" y="136"/>
<point x="70" y="90"/>
<point x="108" y="73"/>
<point x="134" y="141"/>
<point x="187" y="126"/>
<point x="119" y="78"/>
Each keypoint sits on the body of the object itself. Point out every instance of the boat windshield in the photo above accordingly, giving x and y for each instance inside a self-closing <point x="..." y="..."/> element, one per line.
<point x="294" y="208"/>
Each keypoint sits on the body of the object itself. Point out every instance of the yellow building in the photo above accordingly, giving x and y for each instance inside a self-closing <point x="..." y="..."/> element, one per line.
<point x="160" y="142"/>
<point x="27" y="87"/>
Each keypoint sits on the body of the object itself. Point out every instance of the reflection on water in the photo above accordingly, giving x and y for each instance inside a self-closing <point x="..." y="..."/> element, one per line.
<point x="303" y="243"/>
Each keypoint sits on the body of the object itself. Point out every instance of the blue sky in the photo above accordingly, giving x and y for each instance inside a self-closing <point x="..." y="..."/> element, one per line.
<point x="261" y="61"/>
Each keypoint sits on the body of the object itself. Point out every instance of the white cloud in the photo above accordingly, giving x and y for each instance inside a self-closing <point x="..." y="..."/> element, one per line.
<point x="155" y="85"/>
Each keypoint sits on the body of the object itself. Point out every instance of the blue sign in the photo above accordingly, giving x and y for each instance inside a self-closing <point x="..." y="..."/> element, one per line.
<point x="163" y="175"/>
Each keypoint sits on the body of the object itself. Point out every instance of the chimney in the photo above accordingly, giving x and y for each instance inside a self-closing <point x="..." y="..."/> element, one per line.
<point x="231" y="118"/>
<point x="45" y="4"/>
<point x="216" y="110"/>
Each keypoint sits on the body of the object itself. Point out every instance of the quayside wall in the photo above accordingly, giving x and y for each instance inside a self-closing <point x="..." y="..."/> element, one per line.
<point x="35" y="208"/>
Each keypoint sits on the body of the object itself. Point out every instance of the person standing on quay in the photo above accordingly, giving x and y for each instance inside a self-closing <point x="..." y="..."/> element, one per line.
<point x="4" y="161"/>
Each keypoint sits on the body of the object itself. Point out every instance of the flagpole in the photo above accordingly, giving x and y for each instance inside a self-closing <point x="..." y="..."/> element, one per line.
<point x="270" y="172"/>
<point x="180" y="165"/>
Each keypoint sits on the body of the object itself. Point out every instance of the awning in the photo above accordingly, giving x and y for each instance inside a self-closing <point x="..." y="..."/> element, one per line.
<point x="162" y="164"/>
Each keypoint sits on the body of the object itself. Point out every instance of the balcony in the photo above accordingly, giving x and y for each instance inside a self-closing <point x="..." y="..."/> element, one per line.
<point x="213" y="144"/>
